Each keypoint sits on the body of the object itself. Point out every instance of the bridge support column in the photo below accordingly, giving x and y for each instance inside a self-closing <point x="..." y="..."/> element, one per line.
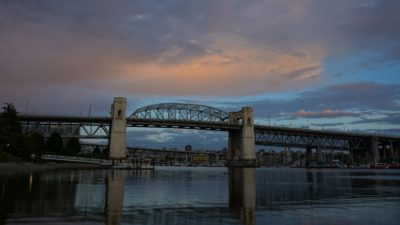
<point x="396" y="151"/>
<point x="320" y="156"/>
<point x="375" y="149"/>
<point x="234" y="145"/>
<point x="391" y="150"/>
<point x="309" y="154"/>
<point x="241" y="144"/>
<point x="118" y="129"/>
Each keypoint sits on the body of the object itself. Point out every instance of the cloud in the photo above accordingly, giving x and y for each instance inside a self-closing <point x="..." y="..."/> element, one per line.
<point x="177" y="138"/>
<point x="229" y="67"/>
<point x="240" y="70"/>
<point x="226" y="53"/>
<point x="214" y="48"/>
<point x="160" y="137"/>
<point x="148" y="48"/>
<point x="342" y="103"/>
<point x="351" y="97"/>
<point x="327" y="113"/>
<point x="385" y="118"/>
<point x="327" y="124"/>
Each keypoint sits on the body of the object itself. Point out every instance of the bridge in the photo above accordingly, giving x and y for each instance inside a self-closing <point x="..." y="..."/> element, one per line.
<point x="243" y="134"/>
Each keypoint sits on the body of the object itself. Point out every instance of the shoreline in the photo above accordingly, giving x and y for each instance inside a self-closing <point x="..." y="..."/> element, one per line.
<point x="12" y="168"/>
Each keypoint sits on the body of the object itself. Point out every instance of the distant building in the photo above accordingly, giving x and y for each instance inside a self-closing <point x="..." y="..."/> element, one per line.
<point x="287" y="156"/>
<point x="188" y="148"/>
<point x="200" y="159"/>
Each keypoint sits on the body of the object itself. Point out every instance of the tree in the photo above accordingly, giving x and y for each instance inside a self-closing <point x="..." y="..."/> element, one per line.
<point x="73" y="147"/>
<point x="7" y="133"/>
<point x="3" y="135"/>
<point x="54" y="144"/>
<point x="12" y="140"/>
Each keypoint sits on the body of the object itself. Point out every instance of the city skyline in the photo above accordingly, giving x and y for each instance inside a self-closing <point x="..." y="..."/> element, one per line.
<point x="319" y="64"/>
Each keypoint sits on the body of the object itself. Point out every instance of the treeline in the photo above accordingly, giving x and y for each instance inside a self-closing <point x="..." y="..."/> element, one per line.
<point x="15" y="145"/>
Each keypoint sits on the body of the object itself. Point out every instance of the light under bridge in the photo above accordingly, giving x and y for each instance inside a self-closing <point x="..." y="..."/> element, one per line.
<point x="242" y="138"/>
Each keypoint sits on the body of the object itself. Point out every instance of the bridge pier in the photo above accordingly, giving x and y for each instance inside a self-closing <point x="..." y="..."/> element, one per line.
<point x="375" y="149"/>
<point x="241" y="143"/>
<point x="118" y="129"/>
<point x="234" y="145"/>
<point x="309" y="154"/>
<point x="396" y="151"/>
<point x="391" y="150"/>
<point x="320" y="156"/>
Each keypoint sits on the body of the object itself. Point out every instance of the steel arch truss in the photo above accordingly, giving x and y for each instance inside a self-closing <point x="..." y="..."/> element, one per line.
<point x="68" y="129"/>
<point x="181" y="112"/>
<point x="303" y="140"/>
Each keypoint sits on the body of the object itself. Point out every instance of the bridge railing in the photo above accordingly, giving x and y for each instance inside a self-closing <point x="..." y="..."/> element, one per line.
<point x="181" y="120"/>
<point x="71" y="158"/>
<point x="381" y="134"/>
<point x="80" y="115"/>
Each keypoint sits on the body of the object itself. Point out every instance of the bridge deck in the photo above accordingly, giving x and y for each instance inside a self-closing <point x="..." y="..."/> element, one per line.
<point x="331" y="133"/>
<point x="265" y="135"/>
<point x="71" y="159"/>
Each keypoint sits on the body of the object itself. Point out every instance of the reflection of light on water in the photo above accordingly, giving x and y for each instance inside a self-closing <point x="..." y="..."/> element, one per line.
<point x="89" y="198"/>
<point x="30" y="182"/>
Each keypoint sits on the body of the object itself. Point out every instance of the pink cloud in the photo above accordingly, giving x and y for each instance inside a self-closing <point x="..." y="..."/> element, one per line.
<point x="327" y="113"/>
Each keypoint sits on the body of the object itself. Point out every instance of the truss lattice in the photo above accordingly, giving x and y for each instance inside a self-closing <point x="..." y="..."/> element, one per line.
<point x="181" y="112"/>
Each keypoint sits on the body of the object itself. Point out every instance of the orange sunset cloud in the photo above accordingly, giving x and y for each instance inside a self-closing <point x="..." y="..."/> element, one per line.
<point x="239" y="69"/>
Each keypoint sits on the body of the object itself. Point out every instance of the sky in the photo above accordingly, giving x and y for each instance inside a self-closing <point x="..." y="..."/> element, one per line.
<point x="320" y="64"/>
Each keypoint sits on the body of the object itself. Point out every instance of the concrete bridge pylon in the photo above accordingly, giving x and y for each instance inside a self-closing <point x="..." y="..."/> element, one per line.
<point x="118" y="129"/>
<point x="241" y="143"/>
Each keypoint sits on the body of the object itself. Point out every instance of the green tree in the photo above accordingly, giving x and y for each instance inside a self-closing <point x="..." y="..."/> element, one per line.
<point x="54" y="144"/>
<point x="9" y="133"/>
<point x="73" y="147"/>
<point x="3" y="135"/>
<point x="12" y="140"/>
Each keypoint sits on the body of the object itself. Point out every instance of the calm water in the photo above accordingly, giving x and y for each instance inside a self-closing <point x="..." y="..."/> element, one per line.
<point x="202" y="196"/>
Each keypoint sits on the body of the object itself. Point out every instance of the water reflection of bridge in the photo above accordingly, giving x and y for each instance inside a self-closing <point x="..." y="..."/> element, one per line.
<point x="185" y="196"/>
<point x="104" y="192"/>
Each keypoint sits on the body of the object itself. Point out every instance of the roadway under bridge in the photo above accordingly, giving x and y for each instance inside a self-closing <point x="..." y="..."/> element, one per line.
<point x="243" y="134"/>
